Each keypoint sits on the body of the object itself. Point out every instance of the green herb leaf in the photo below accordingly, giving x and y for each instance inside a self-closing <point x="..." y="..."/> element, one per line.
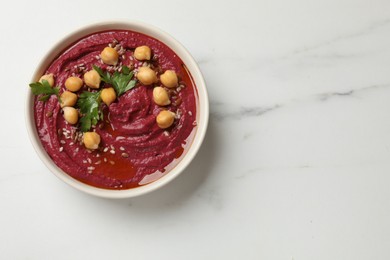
<point x="106" y="77"/>
<point x="43" y="88"/>
<point x="89" y="104"/>
<point x="44" y="98"/>
<point x="121" y="81"/>
<point x="125" y="70"/>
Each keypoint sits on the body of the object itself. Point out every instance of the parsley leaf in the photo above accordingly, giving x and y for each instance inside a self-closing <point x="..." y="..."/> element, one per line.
<point x="44" y="89"/>
<point x="121" y="81"/>
<point x="106" y="77"/>
<point x="89" y="104"/>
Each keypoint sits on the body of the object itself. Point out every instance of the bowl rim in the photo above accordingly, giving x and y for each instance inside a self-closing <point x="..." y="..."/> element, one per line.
<point x="202" y="106"/>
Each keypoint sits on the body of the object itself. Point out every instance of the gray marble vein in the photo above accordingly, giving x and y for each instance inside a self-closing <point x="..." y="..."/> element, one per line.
<point x="326" y="96"/>
<point x="223" y="111"/>
<point x="248" y="172"/>
<point x="361" y="32"/>
<point x="241" y="112"/>
<point x="351" y="92"/>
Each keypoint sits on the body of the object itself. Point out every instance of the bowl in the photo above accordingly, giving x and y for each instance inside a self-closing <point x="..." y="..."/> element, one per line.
<point x="201" y="117"/>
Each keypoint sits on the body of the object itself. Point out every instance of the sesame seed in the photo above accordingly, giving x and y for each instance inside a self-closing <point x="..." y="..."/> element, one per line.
<point x="112" y="162"/>
<point x="91" y="168"/>
<point x="61" y="149"/>
<point x="98" y="162"/>
<point x="190" y="113"/>
<point x="105" y="149"/>
<point x="89" y="160"/>
<point x="166" y="133"/>
<point x="194" y="123"/>
<point x="62" y="142"/>
<point x="98" y="155"/>
<point x="90" y="172"/>
<point x="121" y="148"/>
<point x="125" y="155"/>
<point x="77" y="149"/>
<point x="112" y="151"/>
<point x="105" y="159"/>
<point x="112" y="147"/>
<point x="121" y="51"/>
<point x="84" y="161"/>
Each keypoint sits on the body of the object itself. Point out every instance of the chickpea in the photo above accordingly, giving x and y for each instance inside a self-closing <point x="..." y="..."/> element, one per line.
<point x="68" y="99"/>
<point x="109" y="56"/>
<point x="49" y="78"/>
<point x="165" y="119"/>
<point x="160" y="96"/>
<point x="108" y="95"/>
<point x="92" y="79"/>
<point x="146" y="75"/>
<point x="143" y="53"/>
<point x="73" y="84"/>
<point x="169" y="79"/>
<point x="71" y="115"/>
<point x="91" y="140"/>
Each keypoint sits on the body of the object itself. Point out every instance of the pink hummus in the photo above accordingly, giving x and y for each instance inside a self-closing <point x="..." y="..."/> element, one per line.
<point x="133" y="149"/>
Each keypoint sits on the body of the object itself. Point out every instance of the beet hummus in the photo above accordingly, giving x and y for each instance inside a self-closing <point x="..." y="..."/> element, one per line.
<point x="133" y="148"/>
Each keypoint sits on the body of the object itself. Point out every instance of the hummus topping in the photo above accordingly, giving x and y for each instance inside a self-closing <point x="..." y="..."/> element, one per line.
<point x="49" y="78"/>
<point x="109" y="56"/>
<point x="169" y="79"/>
<point x="143" y="53"/>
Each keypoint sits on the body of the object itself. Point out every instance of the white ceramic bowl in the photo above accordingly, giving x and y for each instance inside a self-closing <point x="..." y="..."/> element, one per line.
<point x="201" y="118"/>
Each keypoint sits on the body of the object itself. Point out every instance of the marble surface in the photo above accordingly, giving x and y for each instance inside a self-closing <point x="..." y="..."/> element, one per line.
<point x="295" y="164"/>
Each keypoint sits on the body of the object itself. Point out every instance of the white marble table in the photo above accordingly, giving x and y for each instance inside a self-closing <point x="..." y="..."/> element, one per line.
<point x="296" y="162"/>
